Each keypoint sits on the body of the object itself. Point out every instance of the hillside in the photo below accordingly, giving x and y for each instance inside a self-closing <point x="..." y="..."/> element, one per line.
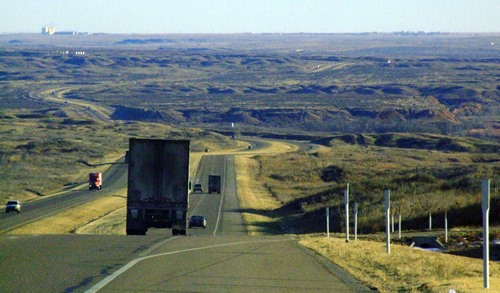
<point x="338" y="83"/>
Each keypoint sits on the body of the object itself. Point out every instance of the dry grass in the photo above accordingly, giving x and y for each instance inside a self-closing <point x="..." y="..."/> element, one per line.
<point x="405" y="269"/>
<point x="112" y="223"/>
<point x="254" y="198"/>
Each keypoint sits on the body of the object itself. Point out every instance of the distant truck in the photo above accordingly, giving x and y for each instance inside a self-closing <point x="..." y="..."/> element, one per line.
<point x="95" y="180"/>
<point x="214" y="183"/>
<point x="158" y="185"/>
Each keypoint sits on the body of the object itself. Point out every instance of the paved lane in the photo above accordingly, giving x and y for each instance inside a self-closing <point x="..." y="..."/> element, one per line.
<point x="65" y="263"/>
<point x="205" y="204"/>
<point x="225" y="259"/>
<point x="231" y="220"/>
<point x="228" y="264"/>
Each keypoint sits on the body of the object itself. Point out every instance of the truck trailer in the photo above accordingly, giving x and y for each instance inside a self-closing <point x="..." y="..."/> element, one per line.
<point x="95" y="180"/>
<point x="158" y="185"/>
<point x="214" y="183"/>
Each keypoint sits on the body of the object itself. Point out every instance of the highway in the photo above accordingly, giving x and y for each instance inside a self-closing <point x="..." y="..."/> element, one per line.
<point x="221" y="257"/>
<point x="113" y="179"/>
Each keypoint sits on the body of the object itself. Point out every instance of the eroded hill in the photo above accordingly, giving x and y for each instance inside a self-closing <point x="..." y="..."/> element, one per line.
<point x="327" y="83"/>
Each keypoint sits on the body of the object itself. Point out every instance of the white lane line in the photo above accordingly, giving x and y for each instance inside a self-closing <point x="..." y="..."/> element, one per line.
<point x="113" y="276"/>
<point x="221" y="196"/>
<point x="148" y="251"/>
<point x="200" y="199"/>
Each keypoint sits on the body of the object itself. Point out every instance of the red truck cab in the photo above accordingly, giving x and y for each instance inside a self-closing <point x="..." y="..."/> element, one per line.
<point x="95" y="181"/>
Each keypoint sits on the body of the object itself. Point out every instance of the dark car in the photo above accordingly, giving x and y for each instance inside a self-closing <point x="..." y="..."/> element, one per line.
<point x="197" y="188"/>
<point x="13" y="205"/>
<point x="197" y="221"/>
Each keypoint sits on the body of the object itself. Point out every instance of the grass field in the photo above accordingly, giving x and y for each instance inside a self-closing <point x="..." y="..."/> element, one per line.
<point x="405" y="270"/>
<point x="41" y="153"/>
<point x="421" y="181"/>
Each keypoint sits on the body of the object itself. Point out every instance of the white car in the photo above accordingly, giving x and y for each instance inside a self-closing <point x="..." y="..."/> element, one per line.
<point x="13" y="205"/>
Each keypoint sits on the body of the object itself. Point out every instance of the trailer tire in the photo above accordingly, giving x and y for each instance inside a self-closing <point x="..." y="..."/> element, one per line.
<point x="135" y="226"/>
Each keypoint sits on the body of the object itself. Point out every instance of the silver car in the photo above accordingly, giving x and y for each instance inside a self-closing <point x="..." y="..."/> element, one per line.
<point x="197" y="221"/>
<point x="13" y="205"/>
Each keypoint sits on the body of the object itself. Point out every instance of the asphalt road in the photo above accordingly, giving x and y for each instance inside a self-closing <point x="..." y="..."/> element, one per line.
<point x="219" y="258"/>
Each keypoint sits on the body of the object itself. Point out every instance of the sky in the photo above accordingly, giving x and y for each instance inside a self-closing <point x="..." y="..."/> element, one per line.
<point x="249" y="16"/>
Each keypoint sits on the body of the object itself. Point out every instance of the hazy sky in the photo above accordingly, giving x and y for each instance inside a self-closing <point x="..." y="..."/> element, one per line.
<point x="230" y="16"/>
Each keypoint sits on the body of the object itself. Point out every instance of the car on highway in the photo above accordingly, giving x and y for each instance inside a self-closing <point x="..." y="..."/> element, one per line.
<point x="13" y="206"/>
<point x="197" y="221"/>
<point x="197" y="188"/>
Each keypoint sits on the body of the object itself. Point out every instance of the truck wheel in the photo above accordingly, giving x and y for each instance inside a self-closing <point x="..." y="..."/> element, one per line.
<point x="136" y="232"/>
<point x="183" y="232"/>
<point x="132" y="232"/>
<point x="175" y="232"/>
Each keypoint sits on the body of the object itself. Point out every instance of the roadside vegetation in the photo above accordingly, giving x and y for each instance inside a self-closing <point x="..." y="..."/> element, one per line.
<point x="295" y="188"/>
<point x="406" y="269"/>
<point x="421" y="181"/>
<point x="42" y="153"/>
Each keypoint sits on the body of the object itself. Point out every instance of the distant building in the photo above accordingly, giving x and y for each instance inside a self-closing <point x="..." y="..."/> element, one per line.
<point x="48" y="30"/>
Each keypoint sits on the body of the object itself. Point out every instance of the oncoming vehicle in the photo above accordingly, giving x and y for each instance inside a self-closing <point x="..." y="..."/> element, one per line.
<point x="95" y="181"/>
<point x="197" y="221"/>
<point x="13" y="205"/>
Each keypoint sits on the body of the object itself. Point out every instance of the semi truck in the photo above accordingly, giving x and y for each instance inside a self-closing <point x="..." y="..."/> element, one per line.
<point x="95" y="180"/>
<point x="158" y="185"/>
<point x="214" y="183"/>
